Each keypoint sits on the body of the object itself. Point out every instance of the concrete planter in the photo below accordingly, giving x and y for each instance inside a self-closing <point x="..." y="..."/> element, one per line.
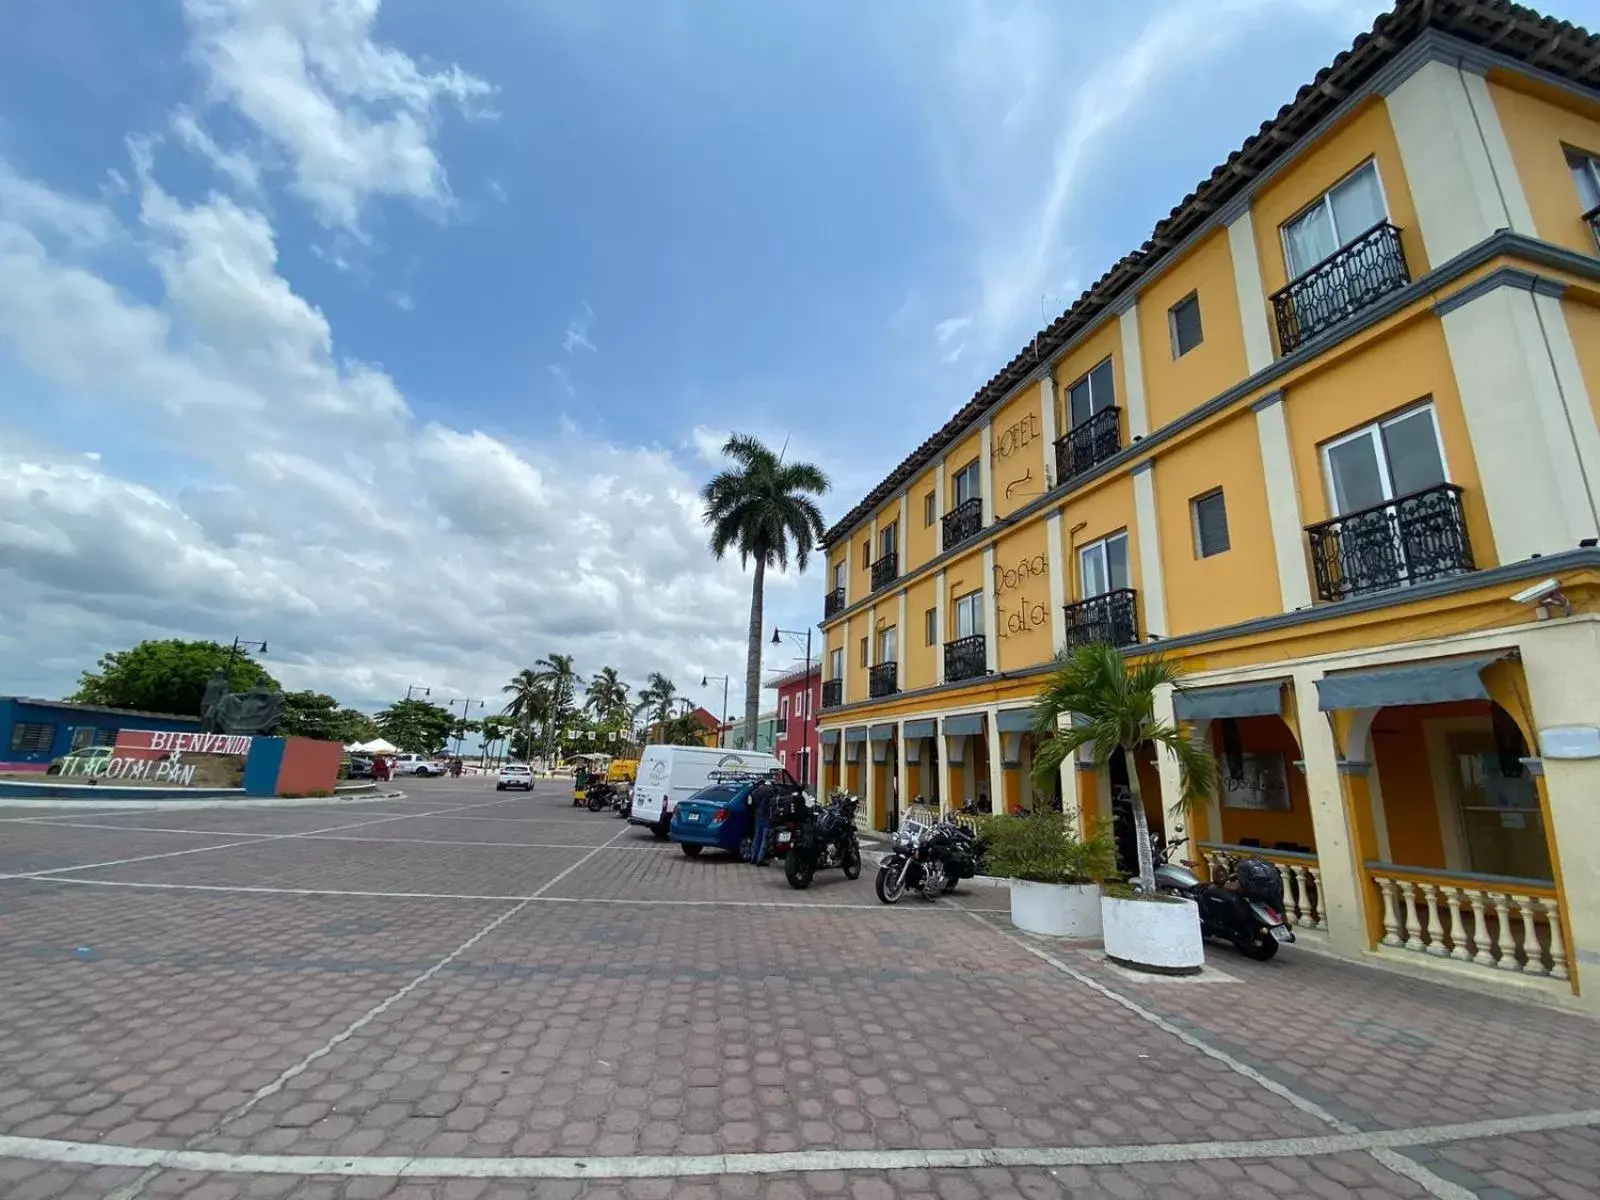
<point x="1069" y="910"/>
<point x="1162" y="936"/>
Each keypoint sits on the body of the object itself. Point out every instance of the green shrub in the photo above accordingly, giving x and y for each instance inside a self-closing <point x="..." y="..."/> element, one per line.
<point x="1041" y="847"/>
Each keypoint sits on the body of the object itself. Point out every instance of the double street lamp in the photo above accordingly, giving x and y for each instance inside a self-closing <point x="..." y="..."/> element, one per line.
<point x="466" y="706"/>
<point x="238" y="645"/>
<point x="794" y="635"/>
<point x="417" y="687"/>
<point x="722" y="718"/>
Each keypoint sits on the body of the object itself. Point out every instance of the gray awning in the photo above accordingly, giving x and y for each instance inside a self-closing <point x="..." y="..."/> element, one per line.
<point x="830" y="737"/>
<point x="1436" y="682"/>
<point x="919" y="729"/>
<point x="964" y="725"/>
<point x="858" y="734"/>
<point x="1014" y="720"/>
<point x="1235" y="700"/>
<point x="882" y="733"/>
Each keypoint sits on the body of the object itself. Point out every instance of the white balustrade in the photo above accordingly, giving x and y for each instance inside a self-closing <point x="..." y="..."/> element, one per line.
<point x="1488" y="924"/>
<point x="1298" y="873"/>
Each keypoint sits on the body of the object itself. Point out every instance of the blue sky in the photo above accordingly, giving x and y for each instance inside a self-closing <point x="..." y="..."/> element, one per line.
<point x="402" y="335"/>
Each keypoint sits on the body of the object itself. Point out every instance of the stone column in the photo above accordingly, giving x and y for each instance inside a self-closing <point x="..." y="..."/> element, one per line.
<point x="1344" y="895"/>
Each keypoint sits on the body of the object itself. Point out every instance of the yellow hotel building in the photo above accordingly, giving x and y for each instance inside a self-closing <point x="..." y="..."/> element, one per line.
<point x="1328" y="439"/>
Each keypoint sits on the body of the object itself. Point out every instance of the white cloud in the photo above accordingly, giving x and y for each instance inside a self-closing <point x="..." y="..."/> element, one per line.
<point x="354" y="117"/>
<point x="560" y="375"/>
<point x="276" y="485"/>
<point x="235" y="165"/>
<point x="577" y="334"/>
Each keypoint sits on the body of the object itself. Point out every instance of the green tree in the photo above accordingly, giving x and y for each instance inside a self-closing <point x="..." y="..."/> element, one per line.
<point x="657" y="699"/>
<point x="763" y="508"/>
<point x="606" y="696"/>
<point x="1114" y="703"/>
<point x="308" y="714"/>
<point x="495" y="730"/>
<point x="562" y="682"/>
<point x="352" y="725"/>
<point x="416" y="726"/>
<point x="683" y="730"/>
<point x="167" y="676"/>
<point x="529" y="705"/>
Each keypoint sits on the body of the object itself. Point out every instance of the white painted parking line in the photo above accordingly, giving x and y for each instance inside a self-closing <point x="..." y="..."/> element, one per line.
<point x="328" y="837"/>
<point x="668" y="1166"/>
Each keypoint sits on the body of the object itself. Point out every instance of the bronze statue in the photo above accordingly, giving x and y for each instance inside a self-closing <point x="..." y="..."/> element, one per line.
<point x="254" y="713"/>
<point x="216" y="690"/>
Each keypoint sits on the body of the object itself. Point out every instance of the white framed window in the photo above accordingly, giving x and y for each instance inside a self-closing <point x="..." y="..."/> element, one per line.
<point x="1389" y="458"/>
<point x="836" y="663"/>
<point x="930" y="627"/>
<point x="969" y="614"/>
<point x="1335" y="219"/>
<point x="1210" y="514"/>
<point x="783" y="758"/>
<point x="1585" y="170"/>
<point x="866" y="551"/>
<point x="1093" y="393"/>
<point x="888" y="645"/>
<point x="966" y="483"/>
<point x="841" y="571"/>
<point x="1183" y="323"/>
<point x="1103" y="565"/>
<point x="783" y="714"/>
<point x="888" y="538"/>
<point x="930" y="506"/>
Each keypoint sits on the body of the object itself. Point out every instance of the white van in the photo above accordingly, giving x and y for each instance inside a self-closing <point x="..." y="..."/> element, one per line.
<point x="668" y="774"/>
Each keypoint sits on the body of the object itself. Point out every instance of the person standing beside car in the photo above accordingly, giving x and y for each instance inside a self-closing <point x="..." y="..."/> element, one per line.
<point x="761" y="808"/>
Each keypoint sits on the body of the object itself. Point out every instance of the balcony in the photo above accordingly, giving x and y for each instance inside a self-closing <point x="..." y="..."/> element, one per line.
<point x="1341" y="285"/>
<point x="885" y="571"/>
<point x="962" y="522"/>
<point x="833" y="603"/>
<point x="965" y="658"/>
<point x="1111" y="618"/>
<point x="1088" y="444"/>
<point x="832" y="693"/>
<point x="883" y="680"/>
<point x="1408" y="540"/>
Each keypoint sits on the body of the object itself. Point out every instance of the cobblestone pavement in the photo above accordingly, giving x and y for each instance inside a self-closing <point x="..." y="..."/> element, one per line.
<point x="463" y="994"/>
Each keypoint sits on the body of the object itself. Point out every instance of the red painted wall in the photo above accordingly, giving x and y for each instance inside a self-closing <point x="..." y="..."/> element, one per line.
<point x="800" y="730"/>
<point x="309" y="766"/>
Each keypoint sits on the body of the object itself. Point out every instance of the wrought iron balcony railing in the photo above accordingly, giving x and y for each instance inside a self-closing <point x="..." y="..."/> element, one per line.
<point x="832" y="693"/>
<point x="1088" y="444"/>
<point x="883" y="680"/>
<point x="963" y="521"/>
<point x="885" y="571"/>
<point x="1341" y="285"/>
<point x="1111" y="617"/>
<point x="1408" y="540"/>
<point x="1593" y="218"/>
<point x="833" y="603"/>
<point x="965" y="658"/>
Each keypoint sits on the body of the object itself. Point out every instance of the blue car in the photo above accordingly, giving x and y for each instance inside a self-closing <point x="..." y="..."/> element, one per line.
<point x="718" y="817"/>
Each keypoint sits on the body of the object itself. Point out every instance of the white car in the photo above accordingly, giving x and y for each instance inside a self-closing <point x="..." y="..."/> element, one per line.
<point x="514" y="775"/>
<point x="415" y="764"/>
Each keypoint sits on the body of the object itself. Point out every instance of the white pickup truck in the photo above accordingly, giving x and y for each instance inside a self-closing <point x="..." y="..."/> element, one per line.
<point x="415" y="764"/>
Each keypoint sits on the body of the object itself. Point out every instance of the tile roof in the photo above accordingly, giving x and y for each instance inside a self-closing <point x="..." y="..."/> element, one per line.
<point x="1559" y="47"/>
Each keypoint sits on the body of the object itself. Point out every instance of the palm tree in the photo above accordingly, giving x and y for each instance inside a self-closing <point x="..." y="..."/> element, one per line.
<point x="530" y="702"/>
<point x="606" y="696"/>
<point x="683" y="730"/>
<point x="657" y="698"/>
<point x="495" y="730"/>
<point x="555" y="671"/>
<point x="760" y="509"/>
<point x="1114" y="704"/>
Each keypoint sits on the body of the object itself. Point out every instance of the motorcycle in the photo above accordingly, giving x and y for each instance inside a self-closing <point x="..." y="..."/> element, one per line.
<point x="622" y="801"/>
<point x="931" y="859"/>
<point x="601" y="795"/>
<point x="813" y="839"/>
<point x="1246" y="908"/>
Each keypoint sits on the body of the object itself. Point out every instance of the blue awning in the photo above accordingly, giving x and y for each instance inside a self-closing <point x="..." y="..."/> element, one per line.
<point x="1014" y="720"/>
<point x="1263" y="699"/>
<point x="1436" y="682"/>
<point x="859" y="734"/>
<point x="964" y="725"/>
<point x="919" y="729"/>
<point x="830" y="737"/>
<point x="882" y="733"/>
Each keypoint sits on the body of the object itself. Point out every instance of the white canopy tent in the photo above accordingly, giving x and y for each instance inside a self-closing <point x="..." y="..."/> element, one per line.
<point x="377" y="746"/>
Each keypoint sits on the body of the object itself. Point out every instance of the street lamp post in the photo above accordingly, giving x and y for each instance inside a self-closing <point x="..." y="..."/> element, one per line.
<point x="417" y="687"/>
<point x="466" y="706"/>
<point x="238" y="645"/>
<point x="809" y="719"/>
<point x="722" y="722"/>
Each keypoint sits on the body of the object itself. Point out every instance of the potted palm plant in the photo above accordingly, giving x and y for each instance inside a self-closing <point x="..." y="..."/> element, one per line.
<point x="1055" y="875"/>
<point x="1096" y="698"/>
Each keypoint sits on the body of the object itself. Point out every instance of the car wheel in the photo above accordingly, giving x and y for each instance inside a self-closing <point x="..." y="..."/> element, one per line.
<point x="53" y="769"/>
<point x="499" y="787"/>
<point x="691" y="849"/>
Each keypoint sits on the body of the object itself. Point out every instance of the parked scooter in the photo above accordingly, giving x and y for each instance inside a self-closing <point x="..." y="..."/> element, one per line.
<point x="1246" y="908"/>
<point x="813" y="839"/>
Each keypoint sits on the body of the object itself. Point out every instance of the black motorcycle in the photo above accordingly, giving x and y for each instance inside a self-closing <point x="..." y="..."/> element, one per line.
<point x="931" y="859"/>
<point x="813" y="839"/>
<point x="601" y="795"/>
<point x="1246" y="908"/>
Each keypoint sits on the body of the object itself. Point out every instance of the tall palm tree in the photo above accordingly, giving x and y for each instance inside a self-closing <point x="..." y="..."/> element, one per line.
<point x="556" y="673"/>
<point x="657" y="698"/>
<point x="530" y="702"/>
<point x="1114" y="704"/>
<point x="762" y="507"/>
<point x="606" y="696"/>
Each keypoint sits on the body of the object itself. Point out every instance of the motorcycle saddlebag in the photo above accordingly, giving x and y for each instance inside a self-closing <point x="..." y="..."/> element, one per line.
<point x="1259" y="881"/>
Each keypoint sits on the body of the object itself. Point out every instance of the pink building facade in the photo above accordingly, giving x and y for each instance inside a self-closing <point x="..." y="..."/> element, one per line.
<point x="797" y="745"/>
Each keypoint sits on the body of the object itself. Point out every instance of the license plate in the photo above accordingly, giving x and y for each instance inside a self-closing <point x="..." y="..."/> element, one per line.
<point x="691" y="816"/>
<point x="1281" y="933"/>
<point x="783" y="839"/>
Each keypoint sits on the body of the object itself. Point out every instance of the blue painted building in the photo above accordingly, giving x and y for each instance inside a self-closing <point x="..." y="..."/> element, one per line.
<point x="32" y="732"/>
